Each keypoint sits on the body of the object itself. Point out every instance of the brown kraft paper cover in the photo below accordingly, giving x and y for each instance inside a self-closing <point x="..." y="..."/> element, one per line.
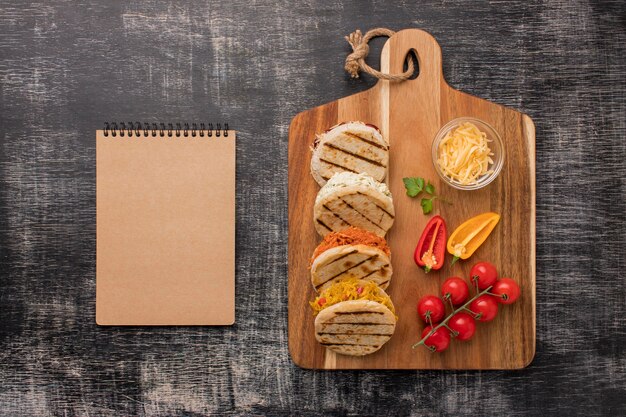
<point x="165" y="230"/>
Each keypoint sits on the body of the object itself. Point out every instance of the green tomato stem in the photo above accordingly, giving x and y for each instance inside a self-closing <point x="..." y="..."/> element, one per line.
<point x="471" y="312"/>
<point x="447" y="319"/>
<point x="453" y="332"/>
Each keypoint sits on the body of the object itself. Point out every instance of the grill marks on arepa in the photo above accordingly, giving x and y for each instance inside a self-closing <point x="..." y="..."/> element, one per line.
<point x="369" y="264"/>
<point x="351" y="152"/>
<point x="372" y="269"/>
<point x="369" y="209"/>
<point x="355" y="327"/>
<point x="368" y="141"/>
<point x="353" y="216"/>
<point x="360" y="317"/>
<point x="368" y="155"/>
<point x="375" y="329"/>
<point x="341" y="213"/>
<point x="352" y="147"/>
<point x="358" y="208"/>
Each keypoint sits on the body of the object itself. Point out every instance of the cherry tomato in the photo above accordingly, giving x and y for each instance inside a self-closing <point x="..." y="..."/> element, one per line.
<point x="485" y="273"/>
<point x="431" y="305"/>
<point x="507" y="290"/>
<point x="455" y="289"/>
<point x="438" y="341"/>
<point x="486" y="306"/>
<point x="463" y="324"/>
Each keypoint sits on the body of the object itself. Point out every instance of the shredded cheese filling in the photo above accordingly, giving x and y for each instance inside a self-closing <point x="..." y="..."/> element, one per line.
<point x="464" y="154"/>
<point x="350" y="289"/>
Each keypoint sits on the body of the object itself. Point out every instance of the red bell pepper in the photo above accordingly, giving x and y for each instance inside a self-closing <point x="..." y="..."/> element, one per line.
<point x="431" y="248"/>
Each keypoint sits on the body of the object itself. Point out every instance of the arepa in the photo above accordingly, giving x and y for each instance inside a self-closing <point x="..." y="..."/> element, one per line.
<point x="351" y="253"/>
<point x="350" y="199"/>
<point x="350" y="147"/>
<point x="358" y="326"/>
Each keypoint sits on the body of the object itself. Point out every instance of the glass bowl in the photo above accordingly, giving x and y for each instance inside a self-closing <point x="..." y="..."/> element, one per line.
<point x="495" y="144"/>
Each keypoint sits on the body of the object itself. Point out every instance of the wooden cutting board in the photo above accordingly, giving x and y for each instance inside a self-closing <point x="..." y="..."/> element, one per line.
<point x="409" y="115"/>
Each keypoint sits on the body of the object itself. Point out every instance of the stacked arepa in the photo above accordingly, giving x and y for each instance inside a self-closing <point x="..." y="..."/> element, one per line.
<point x="351" y="267"/>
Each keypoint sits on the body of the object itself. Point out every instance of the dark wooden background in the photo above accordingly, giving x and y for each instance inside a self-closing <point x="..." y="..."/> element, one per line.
<point x="67" y="67"/>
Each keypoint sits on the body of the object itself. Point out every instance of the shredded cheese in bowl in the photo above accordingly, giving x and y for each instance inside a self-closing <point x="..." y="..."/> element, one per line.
<point x="464" y="154"/>
<point x="468" y="153"/>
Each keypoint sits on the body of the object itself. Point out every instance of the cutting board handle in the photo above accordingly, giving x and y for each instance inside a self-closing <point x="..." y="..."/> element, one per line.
<point x="425" y="47"/>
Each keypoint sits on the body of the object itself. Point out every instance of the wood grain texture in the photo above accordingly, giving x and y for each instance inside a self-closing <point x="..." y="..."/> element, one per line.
<point x="65" y="67"/>
<point x="411" y="113"/>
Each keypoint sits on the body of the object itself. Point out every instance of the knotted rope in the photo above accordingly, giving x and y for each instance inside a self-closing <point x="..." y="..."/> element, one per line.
<point x="355" y="62"/>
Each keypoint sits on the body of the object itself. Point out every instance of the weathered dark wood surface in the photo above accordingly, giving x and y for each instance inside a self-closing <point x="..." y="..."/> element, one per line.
<point x="65" y="68"/>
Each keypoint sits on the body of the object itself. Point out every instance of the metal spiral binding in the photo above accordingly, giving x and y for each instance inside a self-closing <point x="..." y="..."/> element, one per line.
<point x="146" y="130"/>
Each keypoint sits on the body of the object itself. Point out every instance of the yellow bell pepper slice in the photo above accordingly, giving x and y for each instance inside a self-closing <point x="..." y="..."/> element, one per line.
<point x="468" y="237"/>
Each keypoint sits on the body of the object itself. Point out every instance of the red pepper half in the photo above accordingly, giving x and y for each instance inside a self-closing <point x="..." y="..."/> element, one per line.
<point x="431" y="248"/>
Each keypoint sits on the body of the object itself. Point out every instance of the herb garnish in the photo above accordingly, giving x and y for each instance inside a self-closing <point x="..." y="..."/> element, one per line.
<point x="416" y="185"/>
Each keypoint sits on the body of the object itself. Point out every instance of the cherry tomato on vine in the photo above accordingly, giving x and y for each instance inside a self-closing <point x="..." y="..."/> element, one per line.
<point x="455" y="289"/>
<point x="506" y="290"/>
<point x="463" y="324"/>
<point x="485" y="306"/>
<point x="485" y="273"/>
<point x="431" y="305"/>
<point x="438" y="341"/>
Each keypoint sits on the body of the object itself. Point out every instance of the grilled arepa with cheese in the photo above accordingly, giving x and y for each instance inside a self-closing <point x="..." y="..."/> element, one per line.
<point x="351" y="253"/>
<point x="354" y="317"/>
<point x="350" y="147"/>
<point x="350" y="199"/>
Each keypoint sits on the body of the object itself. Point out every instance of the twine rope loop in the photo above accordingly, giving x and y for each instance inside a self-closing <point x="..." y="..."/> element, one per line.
<point x="355" y="62"/>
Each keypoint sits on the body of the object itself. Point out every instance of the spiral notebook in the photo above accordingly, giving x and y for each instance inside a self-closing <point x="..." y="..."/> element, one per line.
<point x="165" y="214"/>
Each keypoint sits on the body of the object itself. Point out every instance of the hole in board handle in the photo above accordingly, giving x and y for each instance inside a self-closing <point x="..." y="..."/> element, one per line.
<point x="412" y="55"/>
